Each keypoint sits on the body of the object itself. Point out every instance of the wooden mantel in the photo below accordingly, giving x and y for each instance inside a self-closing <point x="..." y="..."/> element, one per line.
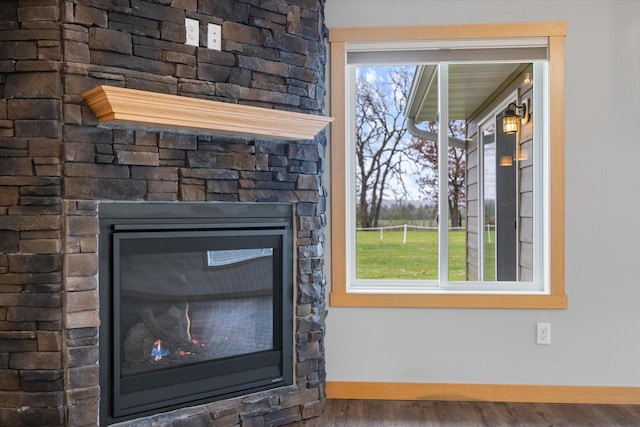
<point x="121" y="106"/>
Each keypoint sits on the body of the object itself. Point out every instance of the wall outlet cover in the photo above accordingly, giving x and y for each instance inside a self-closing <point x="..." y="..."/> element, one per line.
<point x="214" y="36"/>
<point x="543" y="333"/>
<point x="193" y="31"/>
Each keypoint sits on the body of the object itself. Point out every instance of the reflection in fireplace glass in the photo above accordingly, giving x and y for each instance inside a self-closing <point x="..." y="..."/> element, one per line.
<point x="183" y="306"/>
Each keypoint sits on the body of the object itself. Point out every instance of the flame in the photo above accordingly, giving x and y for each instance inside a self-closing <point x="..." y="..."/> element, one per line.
<point x="188" y="318"/>
<point x="157" y="352"/>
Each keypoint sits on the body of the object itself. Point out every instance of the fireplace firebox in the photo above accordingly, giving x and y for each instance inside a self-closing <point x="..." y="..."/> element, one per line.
<point x="196" y="303"/>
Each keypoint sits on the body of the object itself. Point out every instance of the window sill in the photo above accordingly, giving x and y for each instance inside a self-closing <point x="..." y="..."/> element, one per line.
<point x="553" y="301"/>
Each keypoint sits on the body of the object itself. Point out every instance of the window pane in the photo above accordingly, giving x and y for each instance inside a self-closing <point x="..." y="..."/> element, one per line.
<point x="489" y="212"/>
<point x="499" y="176"/>
<point x="395" y="181"/>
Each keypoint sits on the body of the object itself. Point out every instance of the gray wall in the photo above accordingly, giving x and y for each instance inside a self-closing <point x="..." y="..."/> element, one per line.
<point x="596" y="341"/>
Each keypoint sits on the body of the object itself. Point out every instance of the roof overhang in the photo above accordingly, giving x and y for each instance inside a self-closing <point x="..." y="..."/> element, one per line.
<point x="471" y="86"/>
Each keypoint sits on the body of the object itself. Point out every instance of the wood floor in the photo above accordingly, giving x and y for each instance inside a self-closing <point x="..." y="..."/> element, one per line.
<point x="371" y="413"/>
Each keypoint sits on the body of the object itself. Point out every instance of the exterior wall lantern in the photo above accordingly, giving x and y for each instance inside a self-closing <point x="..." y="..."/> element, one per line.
<point x="514" y="115"/>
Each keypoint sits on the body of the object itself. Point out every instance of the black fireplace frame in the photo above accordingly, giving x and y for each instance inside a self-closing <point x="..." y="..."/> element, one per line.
<point x="122" y="399"/>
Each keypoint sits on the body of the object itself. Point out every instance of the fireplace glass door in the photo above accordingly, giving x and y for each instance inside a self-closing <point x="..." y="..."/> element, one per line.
<point x="187" y="300"/>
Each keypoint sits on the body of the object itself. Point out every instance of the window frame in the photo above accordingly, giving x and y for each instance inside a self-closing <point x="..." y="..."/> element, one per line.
<point x="341" y="295"/>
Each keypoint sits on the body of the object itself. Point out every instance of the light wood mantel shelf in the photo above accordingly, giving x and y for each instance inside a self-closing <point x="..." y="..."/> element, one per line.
<point x="121" y="106"/>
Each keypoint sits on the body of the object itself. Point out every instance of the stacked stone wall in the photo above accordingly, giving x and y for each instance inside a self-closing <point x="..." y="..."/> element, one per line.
<point x="31" y="254"/>
<point x="57" y="164"/>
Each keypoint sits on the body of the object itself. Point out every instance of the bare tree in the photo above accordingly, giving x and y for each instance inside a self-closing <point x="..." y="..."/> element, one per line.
<point x="381" y="96"/>
<point x="426" y="155"/>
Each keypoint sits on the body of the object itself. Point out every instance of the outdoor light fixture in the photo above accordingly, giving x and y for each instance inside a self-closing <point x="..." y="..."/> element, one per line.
<point x="514" y="114"/>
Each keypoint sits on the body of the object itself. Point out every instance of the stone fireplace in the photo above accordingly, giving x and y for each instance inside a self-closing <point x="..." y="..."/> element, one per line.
<point x="60" y="168"/>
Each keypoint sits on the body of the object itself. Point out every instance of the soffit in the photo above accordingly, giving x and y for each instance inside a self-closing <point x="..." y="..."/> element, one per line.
<point x="470" y="85"/>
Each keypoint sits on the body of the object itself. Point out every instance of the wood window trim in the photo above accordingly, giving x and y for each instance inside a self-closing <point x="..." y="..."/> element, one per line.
<point x="338" y="38"/>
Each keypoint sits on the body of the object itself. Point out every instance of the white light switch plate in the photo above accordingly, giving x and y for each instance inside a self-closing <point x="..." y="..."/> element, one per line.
<point x="193" y="31"/>
<point x="214" y="37"/>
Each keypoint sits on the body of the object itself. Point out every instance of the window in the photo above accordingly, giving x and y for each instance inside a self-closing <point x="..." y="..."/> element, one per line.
<point x="489" y="235"/>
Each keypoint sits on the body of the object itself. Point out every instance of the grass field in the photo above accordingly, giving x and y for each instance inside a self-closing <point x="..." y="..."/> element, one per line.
<point x="389" y="258"/>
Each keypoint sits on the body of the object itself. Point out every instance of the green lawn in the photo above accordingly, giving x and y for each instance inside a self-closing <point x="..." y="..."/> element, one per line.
<point x="389" y="258"/>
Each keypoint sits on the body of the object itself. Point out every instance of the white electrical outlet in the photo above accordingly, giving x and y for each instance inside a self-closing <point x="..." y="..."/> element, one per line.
<point x="193" y="31"/>
<point x="543" y="333"/>
<point x="214" y="37"/>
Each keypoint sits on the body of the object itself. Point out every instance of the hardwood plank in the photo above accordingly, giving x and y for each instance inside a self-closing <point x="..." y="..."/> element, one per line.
<point x="387" y="413"/>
